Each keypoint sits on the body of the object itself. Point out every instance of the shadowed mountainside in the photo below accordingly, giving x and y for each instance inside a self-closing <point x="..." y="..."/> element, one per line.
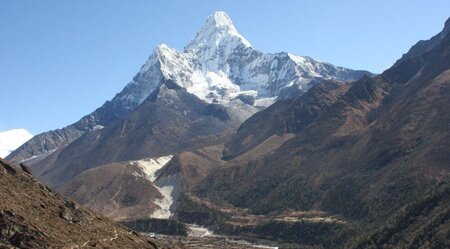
<point x="171" y="120"/>
<point x="284" y="116"/>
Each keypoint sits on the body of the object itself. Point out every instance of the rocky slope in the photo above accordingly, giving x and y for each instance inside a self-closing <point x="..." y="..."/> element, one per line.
<point x="423" y="223"/>
<point x="119" y="190"/>
<point x="218" y="65"/>
<point x="32" y="216"/>
<point x="145" y="188"/>
<point x="283" y="117"/>
<point x="170" y="121"/>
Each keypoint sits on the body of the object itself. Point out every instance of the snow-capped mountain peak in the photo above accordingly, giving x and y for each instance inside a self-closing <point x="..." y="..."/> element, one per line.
<point x="218" y="33"/>
<point x="220" y="19"/>
<point x="219" y="65"/>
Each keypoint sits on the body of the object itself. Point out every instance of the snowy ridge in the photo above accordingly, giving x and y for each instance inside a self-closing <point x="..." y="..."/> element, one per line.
<point x="219" y="65"/>
<point x="218" y="30"/>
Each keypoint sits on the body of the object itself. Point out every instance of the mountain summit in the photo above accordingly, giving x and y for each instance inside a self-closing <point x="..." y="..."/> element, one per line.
<point x="217" y="30"/>
<point x="219" y="65"/>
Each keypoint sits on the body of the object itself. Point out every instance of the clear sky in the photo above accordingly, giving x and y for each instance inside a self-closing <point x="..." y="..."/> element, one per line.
<point x="59" y="60"/>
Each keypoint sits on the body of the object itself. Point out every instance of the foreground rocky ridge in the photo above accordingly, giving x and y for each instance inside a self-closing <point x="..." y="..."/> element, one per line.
<point x="33" y="216"/>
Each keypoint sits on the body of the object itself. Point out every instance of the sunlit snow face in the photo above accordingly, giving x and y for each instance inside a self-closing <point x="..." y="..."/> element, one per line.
<point x="220" y="65"/>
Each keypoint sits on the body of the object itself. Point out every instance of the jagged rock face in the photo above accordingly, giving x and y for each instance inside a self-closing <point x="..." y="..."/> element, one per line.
<point x="219" y="65"/>
<point x="417" y="57"/>
<point x="44" y="144"/>
<point x="424" y="46"/>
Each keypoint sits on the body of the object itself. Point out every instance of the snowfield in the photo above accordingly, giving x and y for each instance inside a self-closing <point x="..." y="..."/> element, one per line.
<point x="150" y="166"/>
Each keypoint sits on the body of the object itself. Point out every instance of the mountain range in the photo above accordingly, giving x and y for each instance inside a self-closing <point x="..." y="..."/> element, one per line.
<point x="179" y="101"/>
<point x="266" y="146"/>
<point x="217" y="66"/>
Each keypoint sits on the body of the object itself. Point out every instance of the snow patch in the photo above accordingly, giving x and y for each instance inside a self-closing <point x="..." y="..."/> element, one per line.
<point x="170" y="187"/>
<point x="43" y="155"/>
<point x="267" y="247"/>
<point x="198" y="231"/>
<point x="97" y="127"/>
<point x="150" y="166"/>
<point x="265" y="102"/>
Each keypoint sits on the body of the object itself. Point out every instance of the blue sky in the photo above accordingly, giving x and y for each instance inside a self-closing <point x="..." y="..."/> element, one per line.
<point x="59" y="60"/>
